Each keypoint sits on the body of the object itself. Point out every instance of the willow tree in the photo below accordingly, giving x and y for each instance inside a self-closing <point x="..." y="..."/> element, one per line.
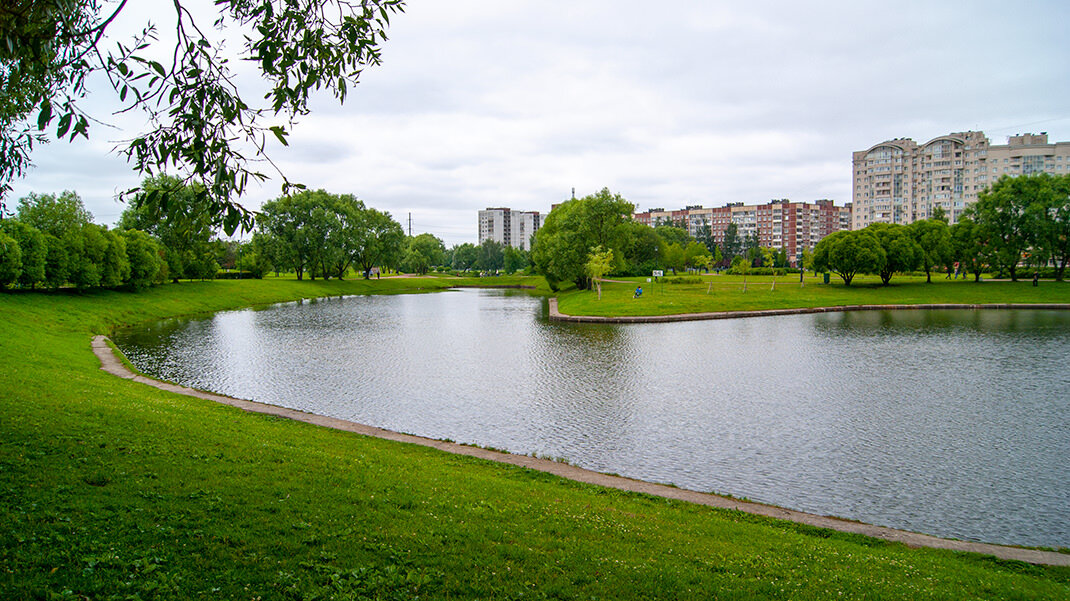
<point x="198" y="122"/>
<point x="562" y="244"/>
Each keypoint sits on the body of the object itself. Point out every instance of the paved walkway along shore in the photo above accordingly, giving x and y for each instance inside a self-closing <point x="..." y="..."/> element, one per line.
<point x="111" y="364"/>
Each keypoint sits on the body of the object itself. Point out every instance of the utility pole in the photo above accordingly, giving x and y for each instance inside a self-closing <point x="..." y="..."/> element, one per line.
<point x="410" y="225"/>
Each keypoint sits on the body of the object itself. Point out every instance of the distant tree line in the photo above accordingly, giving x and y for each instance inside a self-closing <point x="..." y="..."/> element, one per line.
<point x="1020" y="222"/>
<point x="52" y="242"/>
<point x="319" y="234"/>
<point x="168" y="233"/>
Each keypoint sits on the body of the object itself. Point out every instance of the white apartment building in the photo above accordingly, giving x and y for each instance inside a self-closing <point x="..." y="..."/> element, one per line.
<point x="901" y="181"/>
<point x="508" y="227"/>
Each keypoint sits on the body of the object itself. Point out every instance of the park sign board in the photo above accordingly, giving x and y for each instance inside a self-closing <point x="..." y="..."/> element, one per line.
<point x="658" y="273"/>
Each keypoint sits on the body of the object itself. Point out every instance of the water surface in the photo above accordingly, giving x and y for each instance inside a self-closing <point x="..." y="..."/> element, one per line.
<point x="954" y="423"/>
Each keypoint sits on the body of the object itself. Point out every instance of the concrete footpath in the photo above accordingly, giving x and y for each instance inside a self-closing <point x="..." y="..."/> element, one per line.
<point x="111" y="364"/>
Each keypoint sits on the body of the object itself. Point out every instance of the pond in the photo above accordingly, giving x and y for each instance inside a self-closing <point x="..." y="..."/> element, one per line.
<point x="953" y="423"/>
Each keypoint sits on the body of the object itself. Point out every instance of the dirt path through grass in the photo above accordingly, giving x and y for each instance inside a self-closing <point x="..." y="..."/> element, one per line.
<point x="113" y="365"/>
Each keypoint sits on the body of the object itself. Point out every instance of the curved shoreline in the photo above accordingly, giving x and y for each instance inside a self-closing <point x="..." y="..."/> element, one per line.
<point x="111" y="364"/>
<point x="556" y="315"/>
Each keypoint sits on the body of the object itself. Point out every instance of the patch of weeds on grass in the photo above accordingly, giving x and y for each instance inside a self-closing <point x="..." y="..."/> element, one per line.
<point x="97" y="478"/>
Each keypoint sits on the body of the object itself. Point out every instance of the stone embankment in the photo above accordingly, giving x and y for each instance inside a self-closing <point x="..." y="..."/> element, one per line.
<point x="113" y="365"/>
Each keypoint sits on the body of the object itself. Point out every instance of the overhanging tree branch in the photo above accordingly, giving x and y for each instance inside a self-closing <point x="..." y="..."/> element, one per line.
<point x="199" y="123"/>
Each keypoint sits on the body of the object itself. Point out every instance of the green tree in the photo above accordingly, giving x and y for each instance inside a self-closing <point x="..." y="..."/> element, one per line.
<point x="1048" y="215"/>
<point x="805" y="260"/>
<point x="115" y="267"/>
<point x="179" y="219"/>
<point x="752" y="249"/>
<point x="430" y="247"/>
<point x="741" y="266"/>
<point x="145" y="256"/>
<point x="56" y="262"/>
<point x="696" y="255"/>
<point x="33" y="248"/>
<point x="968" y="247"/>
<point x="599" y="263"/>
<point x="257" y="256"/>
<point x="86" y="250"/>
<point x="284" y="220"/>
<point x="901" y="252"/>
<point x="769" y="259"/>
<point x="413" y="261"/>
<point x="848" y="253"/>
<point x="51" y="214"/>
<point x="491" y="257"/>
<point x="704" y="235"/>
<point x="639" y="248"/>
<point x="673" y="256"/>
<point x="351" y="219"/>
<point x="731" y="245"/>
<point x="673" y="234"/>
<point x="383" y="244"/>
<point x="198" y="123"/>
<point x="10" y="260"/>
<point x="1001" y="214"/>
<point x="465" y="256"/>
<point x="939" y="214"/>
<point x="514" y="259"/>
<point x="562" y="243"/>
<point x="934" y="239"/>
<point x="322" y="235"/>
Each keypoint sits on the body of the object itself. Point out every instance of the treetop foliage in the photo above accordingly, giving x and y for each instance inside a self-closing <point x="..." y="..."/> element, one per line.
<point x="198" y="123"/>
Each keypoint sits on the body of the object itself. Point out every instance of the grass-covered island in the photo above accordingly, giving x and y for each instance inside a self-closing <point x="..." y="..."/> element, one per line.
<point x="708" y="293"/>
<point x="110" y="489"/>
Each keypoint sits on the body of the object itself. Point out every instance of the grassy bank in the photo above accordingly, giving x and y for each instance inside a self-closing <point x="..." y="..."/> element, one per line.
<point x="726" y="293"/>
<point x="113" y="490"/>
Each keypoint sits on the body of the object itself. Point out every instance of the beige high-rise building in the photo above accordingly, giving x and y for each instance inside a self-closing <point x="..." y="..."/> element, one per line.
<point x="901" y="181"/>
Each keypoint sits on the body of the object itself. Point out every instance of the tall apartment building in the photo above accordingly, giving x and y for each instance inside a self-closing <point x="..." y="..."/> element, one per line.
<point x="780" y="224"/>
<point x="508" y="227"/>
<point x="901" y="181"/>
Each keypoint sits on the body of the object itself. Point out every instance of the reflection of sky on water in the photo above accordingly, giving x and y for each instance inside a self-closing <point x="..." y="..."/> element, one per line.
<point x="878" y="416"/>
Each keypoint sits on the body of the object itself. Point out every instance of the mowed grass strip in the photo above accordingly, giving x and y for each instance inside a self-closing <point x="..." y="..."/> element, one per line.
<point x="726" y="293"/>
<point x="114" y="490"/>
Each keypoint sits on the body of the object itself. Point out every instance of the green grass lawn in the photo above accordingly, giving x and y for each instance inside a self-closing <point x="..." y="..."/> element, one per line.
<point x="725" y="293"/>
<point x="114" y="490"/>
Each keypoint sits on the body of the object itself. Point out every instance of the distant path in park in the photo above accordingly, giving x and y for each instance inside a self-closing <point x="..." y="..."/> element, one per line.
<point x="113" y="365"/>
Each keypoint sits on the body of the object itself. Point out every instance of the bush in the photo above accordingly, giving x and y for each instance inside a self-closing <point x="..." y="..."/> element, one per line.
<point x="10" y="260"/>
<point x="238" y="275"/>
<point x="686" y="279"/>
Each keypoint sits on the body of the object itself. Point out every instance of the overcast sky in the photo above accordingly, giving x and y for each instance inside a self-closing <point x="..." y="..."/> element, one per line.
<point x="489" y="103"/>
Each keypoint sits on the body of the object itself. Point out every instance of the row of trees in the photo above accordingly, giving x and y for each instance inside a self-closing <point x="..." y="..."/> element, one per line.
<point x="174" y="236"/>
<point x="324" y="235"/>
<point x="52" y="242"/>
<point x="1019" y="221"/>
<point x="490" y="256"/>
